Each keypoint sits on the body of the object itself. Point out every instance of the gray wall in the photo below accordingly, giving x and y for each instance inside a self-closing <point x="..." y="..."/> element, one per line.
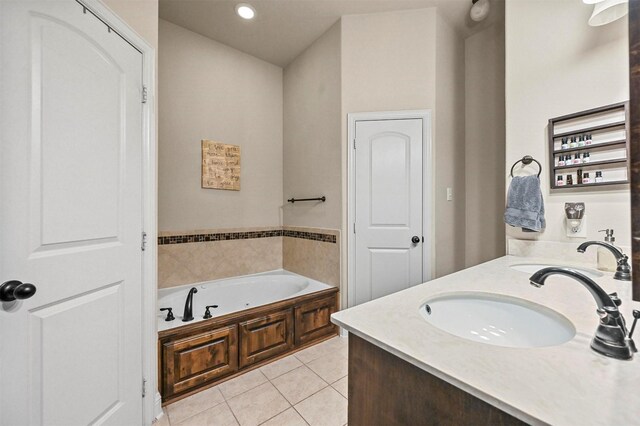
<point x="484" y="145"/>
<point x="210" y="91"/>
<point x="312" y="134"/>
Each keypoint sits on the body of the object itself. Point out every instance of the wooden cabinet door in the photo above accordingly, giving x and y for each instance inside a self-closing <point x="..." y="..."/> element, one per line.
<point x="265" y="337"/>
<point x="313" y="319"/>
<point x="198" y="359"/>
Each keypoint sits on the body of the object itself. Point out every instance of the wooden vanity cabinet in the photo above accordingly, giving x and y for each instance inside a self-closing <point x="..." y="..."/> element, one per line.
<point x="198" y="355"/>
<point x="200" y="358"/>
<point x="265" y="337"/>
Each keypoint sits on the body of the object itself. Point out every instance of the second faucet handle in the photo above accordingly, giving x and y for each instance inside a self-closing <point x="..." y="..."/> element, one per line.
<point x="170" y="316"/>
<point x="207" y="313"/>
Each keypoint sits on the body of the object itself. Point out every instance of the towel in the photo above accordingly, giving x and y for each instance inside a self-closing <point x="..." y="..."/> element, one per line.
<point x="525" y="206"/>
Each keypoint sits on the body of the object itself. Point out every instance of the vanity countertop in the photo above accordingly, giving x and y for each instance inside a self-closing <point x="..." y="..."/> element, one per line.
<point x="569" y="384"/>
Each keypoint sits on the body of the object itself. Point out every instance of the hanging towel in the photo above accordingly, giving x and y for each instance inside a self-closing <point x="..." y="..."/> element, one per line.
<point x="525" y="206"/>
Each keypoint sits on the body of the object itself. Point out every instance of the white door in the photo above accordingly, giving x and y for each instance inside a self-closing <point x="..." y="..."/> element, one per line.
<point x="70" y="218"/>
<point x="388" y="207"/>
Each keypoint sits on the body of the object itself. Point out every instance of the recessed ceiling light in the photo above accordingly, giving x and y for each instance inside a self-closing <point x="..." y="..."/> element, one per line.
<point x="245" y="11"/>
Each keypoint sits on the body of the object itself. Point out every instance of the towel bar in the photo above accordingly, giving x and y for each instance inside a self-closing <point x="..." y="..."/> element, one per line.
<point x="526" y="160"/>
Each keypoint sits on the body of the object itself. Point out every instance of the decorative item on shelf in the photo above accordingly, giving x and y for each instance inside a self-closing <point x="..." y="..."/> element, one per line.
<point x="569" y="180"/>
<point x="526" y="160"/>
<point x="293" y="200"/>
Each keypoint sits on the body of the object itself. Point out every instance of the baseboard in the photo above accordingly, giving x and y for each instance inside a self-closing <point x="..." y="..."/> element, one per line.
<point x="157" y="406"/>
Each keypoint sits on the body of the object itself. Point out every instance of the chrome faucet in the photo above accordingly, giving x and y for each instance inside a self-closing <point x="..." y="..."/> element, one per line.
<point x="623" y="271"/>
<point x="611" y="338"/>
<point x="188" y="306"/>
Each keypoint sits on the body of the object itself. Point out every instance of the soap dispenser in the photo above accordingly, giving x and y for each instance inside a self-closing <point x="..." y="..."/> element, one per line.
<point x="606" y="261"/>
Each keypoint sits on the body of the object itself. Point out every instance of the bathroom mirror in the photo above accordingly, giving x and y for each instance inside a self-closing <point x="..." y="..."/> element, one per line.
<point x="634" y="92"/>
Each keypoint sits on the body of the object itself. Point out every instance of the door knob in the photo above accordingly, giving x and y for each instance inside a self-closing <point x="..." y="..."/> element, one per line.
<point x="12" y="290"/>
<point x="415" y="239"/>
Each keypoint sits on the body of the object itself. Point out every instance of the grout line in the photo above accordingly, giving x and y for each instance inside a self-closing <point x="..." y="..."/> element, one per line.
<point x="290" y="405"/>
<point x="194" y="413"/>
<point x="247" y="390"/>
<point x="232" y="413"/>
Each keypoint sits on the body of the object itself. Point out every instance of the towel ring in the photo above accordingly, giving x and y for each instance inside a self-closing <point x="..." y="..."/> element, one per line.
<point x="526" y="160"/>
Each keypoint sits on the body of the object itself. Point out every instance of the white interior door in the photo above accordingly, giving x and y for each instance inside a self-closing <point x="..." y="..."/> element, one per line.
<point x="71" y="218"/>
<point x="388" y="207"/>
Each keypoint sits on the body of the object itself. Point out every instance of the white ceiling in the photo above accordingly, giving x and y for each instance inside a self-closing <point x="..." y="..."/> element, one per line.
<point x="282" y="29"/>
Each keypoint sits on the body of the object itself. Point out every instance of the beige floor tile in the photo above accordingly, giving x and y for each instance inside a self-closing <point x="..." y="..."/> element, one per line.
<point x="258" y="405"/>
<point x="194" y="404"/>
<point x="281" y="366"/>
<point x="220" y="415"/>
<point x="325" y="408"/>
<point x="298" y="384"/>
<point x="330" y="367"/>
<point x="286" y="418"/>
<point x="342" y="386"/>
<point x="242" y="383"/>
<point x="162" y="421"/>
<point x="327" y="347"/>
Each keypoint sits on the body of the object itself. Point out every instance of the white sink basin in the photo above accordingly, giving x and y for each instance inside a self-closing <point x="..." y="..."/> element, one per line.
<point x="530" y="268"/>
<point x="498" y="320"/>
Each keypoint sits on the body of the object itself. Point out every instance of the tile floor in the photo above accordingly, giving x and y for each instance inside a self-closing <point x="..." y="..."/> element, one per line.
<point x="306" y="388"/>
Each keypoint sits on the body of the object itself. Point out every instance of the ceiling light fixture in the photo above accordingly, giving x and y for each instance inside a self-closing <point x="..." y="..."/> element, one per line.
<point x="479" y="10"/>
<point x="607" y="11"/>
<point x="245" y="11"/>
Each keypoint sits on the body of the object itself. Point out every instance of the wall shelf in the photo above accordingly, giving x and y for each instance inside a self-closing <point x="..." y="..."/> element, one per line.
<point x="597" y="121"/>
<point x="592" y="164"/>
<point x="590" y="130"/>
<point x="592" y="147"/>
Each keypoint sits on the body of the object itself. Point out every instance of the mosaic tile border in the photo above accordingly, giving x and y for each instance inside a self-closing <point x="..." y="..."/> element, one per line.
<point x="226" y="236"/>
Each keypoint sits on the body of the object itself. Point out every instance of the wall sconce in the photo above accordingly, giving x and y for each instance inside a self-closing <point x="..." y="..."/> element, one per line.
<point x="479" y="10"/>
<point x="607" y="11"/>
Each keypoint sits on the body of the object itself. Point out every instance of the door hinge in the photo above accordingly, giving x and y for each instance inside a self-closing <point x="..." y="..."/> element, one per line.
<point x="144" y="94"/>
<point x="143" y="243"/>
<point x="354" y="144"/>
<point x="144" y="387"/>
<point x="354" y="227"/>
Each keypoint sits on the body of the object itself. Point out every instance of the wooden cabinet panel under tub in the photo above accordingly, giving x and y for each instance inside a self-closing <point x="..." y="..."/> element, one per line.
<point x="201" y="354"/>
<point x="313" y="319"/>
<point x="197" y="359"/>
<point x="265" y="337"/>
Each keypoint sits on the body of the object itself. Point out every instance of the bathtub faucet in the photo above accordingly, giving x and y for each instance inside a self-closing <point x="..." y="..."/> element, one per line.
<point x="188" y="306"/>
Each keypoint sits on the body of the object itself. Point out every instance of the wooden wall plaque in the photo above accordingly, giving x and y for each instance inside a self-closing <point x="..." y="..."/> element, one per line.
<point x="220" y="165"/>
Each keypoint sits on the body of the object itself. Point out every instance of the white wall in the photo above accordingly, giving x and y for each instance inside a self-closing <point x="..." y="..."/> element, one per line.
<point x="556" y="64"/>
<point x="312" y="134"/>
<point x="210" y="91"/>
<point x="484" y="145"/>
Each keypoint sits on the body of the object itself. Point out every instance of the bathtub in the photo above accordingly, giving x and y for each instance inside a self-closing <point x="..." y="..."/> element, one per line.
<point x="234" y="295"/>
